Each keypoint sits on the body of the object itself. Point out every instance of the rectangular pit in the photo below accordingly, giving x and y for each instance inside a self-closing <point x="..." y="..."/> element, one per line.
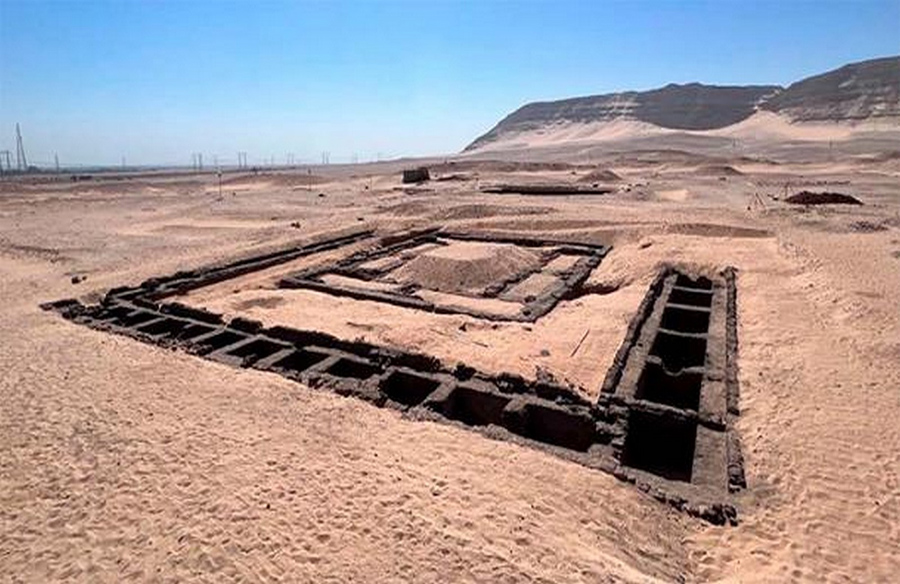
<point x="132" y="319"/>
<point x="679" y="351"/>
<point x="217" y="341"/>
<point x="255" y="350"/>
<point x="474" y="407"/>
<point x="300" y="360"/>
<point x="408" y="389"/>
<point x="193" y="330"/>
<point x="114" y="313"/>
<point x="166" y="327"/>
<point x="350" y="368"/>
<point x="700" y="283"/>
<point x="685" y="320"/>
<point x="660" y="445"/>
<point x="679" y="391"/>
<point x="559" y="427"/>
<point x="690" y="297"/>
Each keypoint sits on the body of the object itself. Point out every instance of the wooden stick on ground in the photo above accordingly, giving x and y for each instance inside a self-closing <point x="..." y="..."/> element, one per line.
<point x="578" y="346"/>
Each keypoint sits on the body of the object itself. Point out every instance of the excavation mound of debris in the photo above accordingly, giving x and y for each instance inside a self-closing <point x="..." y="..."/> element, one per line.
<point x="600" y="176"/>
<point x="467" y="267"/>
<point x="810" y="198"/>
<point x="718" y="170"/>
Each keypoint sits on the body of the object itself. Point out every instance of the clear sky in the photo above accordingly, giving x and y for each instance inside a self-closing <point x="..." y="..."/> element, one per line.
<point x="156" y="81"/>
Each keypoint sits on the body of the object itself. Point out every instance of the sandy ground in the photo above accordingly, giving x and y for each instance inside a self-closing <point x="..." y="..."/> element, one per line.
<point x="122" y="461"/>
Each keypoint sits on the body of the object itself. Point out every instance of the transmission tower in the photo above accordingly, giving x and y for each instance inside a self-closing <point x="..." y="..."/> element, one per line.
<point x="5" y="154"/>
<point x="56" y="162"/>
<point x="21" y="162"/>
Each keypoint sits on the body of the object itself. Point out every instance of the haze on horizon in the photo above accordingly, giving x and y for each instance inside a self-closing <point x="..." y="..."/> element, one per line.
<point x="156" y="81"/>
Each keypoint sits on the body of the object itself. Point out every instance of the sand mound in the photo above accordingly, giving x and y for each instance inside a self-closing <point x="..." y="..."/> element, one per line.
<point x="276" y="179"/>
<point x="809" y="198"/>
<point x="467" y="267"/>
<point x="718" y="170"/>
<point x="460" y="212"/>
<point x="600" y="176"/>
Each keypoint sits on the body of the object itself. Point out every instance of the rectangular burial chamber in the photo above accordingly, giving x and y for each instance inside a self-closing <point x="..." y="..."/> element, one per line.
<point x="678" y="351"/>
<point x="475" y="408"/>
<point x="559" y="427"/>
<point x="660" y="445"/>
<point x="685" y="320"/>
<point x="406" y="388"/>
<point x="680" y="390"/>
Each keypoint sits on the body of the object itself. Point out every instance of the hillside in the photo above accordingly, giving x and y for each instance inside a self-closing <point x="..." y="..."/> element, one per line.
<point x="859" y="91"/>
<point x="853" y="93"/>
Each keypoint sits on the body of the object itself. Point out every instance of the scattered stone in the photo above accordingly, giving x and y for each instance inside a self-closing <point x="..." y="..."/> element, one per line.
<point x="78" y="279"/>
<point x="542" y="375"/>
<point x="867" y="227"/>
<point x="295" y="224"/>
<point x="463" y="372"/>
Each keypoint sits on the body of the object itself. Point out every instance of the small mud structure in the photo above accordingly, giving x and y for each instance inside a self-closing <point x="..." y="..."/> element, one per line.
<point x="664" y="419"/>
<point x="416" y="175"/>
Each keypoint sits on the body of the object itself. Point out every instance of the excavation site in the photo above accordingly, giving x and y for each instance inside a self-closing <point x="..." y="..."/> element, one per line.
<point x="510" y="365"/>
<point x="660" y="422"/>
<point x="449" y="292"/>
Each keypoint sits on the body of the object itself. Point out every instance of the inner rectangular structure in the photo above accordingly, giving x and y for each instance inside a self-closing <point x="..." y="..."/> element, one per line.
<point x="504" y="278"/>
<point x="664" y="418"/>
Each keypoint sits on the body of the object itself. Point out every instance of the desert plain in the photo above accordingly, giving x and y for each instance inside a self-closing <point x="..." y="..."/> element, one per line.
<point x="123" y="461"/>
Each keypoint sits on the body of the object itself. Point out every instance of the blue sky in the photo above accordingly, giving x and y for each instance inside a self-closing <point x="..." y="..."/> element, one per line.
<point x="156" y="81"/>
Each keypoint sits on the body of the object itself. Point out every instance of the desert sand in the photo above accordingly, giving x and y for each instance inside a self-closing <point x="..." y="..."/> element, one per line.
<point x="120" y="461"/>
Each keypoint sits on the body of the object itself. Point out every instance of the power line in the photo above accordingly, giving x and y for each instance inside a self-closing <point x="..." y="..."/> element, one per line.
<point x="21" y="162"/>
<point x="5" y="154"/>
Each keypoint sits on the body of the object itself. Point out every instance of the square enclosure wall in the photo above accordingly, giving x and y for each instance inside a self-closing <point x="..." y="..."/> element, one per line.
<point x="664" y="418"/>
<point x="490" y="277"/>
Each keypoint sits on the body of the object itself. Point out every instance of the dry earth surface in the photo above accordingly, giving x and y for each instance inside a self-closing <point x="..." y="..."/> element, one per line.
<point x="121" y="461"/>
